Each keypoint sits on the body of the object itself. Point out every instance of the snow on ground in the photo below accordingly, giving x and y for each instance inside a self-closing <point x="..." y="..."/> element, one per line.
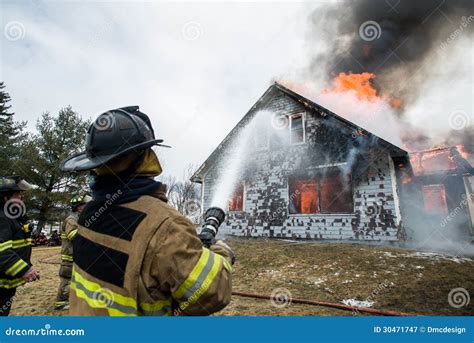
<point x="358" y="303"/>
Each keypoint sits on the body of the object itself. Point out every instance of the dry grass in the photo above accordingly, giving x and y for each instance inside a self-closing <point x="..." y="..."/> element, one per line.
<point x="394" y="279"/>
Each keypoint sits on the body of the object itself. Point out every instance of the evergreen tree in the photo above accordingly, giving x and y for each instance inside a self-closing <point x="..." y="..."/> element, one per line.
<point x="11" y="136"/>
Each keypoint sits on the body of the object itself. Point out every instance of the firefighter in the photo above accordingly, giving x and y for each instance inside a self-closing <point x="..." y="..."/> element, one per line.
<point x="68" y="232"/>
<point x="134" y="254"/>
<point x="15" y="242"/>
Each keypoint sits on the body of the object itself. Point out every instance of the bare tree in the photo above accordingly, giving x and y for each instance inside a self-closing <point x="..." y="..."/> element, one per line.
<point x="183" y="194"/>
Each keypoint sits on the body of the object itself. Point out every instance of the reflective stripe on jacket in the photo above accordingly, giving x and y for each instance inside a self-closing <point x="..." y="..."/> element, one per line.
<point x="68" y="232"/>
<point x="15" y="252"/>
<point x="144" y="258"/>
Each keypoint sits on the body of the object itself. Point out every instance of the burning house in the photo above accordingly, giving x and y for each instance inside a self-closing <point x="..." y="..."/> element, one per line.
<point x="307" y="173"/>
<point x="439" y="193"/>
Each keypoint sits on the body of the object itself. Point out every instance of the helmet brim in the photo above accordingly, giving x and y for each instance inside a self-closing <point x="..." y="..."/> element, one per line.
<point x="82" y="162"/>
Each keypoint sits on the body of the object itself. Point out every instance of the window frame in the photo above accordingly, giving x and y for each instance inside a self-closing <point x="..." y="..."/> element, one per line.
<point x="303" y="123"/>
<point x="318" y="178"/>
<point x="243" y="200"/>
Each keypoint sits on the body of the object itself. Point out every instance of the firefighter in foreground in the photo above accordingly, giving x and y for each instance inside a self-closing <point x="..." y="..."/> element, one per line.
<point x="68" y="232"/>
<point x="134" y="254"/>
<point x="15" y="242"/>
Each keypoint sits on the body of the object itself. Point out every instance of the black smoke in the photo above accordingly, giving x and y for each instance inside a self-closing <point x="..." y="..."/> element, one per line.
<point x="410" y="33"/>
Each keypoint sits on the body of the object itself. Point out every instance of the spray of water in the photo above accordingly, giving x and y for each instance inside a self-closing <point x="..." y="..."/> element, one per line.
<point x="234" y="161"/>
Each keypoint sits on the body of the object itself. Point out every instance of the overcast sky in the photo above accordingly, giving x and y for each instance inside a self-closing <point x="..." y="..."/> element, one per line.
<point x="194" y="68"/>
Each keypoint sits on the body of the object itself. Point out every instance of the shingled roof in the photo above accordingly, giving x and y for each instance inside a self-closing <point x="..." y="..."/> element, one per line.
<point x="198" y="176"/>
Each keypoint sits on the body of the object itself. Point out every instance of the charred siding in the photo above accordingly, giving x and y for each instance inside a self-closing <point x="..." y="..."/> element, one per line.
<point x="327" y="143"/>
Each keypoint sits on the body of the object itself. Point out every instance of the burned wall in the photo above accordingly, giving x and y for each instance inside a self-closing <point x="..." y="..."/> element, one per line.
<point x="328" y="145"/>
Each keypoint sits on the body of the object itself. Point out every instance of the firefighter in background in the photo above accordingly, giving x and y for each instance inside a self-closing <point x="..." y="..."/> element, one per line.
<point x="15" y="242"/>
<point x="68" y="232"/>
<point x="134" y="254"/>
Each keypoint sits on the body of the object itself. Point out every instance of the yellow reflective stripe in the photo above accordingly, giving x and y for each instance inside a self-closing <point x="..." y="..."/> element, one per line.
<point x="20" y="243"/>
<point x="63" y="236"/>
<point x="158" y="308"/>
<point x="7" y="283"/>
<point x="5" y="245"/>
<point x="66" y="257"/>
<point x="227" y="265"/>
<point x="71" y="234"/>
<point x="193" y="276"/>
<point x="93" y="293"/>
<point x="205" y="284"/>
<point x="16" y="268"/>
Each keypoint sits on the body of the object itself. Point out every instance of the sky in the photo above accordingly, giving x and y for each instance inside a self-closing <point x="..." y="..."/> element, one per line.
<point x="194" y="67"/>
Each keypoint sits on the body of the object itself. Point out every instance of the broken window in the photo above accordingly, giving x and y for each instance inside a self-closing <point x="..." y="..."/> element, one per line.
<point x="297" y="129"/>
<point x="329" y="193"/>
<point x="434" y="198"/>
<point x="236" y="201"/>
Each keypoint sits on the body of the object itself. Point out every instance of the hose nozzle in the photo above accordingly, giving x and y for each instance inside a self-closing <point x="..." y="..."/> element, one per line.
<point x="213" y="218"/>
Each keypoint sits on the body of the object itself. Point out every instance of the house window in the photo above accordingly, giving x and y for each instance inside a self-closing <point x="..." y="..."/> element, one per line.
<point x="236" y="201"/>
<point x="297" y="135"/>
<point x="329" y="193"/>
<point x="434" y="199"/>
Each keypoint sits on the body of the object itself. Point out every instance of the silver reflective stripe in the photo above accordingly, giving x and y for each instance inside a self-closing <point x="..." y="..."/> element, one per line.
<point x="163" y="312"/>
<point x="109" y="304"/>
<point x="200" y="280"/>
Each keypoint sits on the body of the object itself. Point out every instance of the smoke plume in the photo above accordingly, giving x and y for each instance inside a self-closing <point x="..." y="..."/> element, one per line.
<point x="394" y="39"/>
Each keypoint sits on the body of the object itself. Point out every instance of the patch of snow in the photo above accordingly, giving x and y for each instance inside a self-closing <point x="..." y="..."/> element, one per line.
<point x="437" y="256"/>
<point x="316" y="280"/>
<point x="358" y="303"/>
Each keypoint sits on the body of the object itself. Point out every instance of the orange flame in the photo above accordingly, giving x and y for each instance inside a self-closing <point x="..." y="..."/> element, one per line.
<point x="359" y="83"/>
<point x="363" y="87"/>
<point x="462" y="151"/>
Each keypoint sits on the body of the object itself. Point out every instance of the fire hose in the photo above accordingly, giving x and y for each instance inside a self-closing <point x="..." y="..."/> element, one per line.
<point x="326" y="304"/>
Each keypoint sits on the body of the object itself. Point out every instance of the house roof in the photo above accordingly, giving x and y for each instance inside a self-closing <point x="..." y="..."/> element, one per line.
<point x="444" y="160"/>
<point x="198" y="176"/>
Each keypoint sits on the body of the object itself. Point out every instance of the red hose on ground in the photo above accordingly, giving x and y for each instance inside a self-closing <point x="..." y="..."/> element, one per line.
<point x="327" y="304"/>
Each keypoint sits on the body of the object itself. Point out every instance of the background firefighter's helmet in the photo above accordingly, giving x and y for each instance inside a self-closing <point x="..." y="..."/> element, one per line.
<point x="13" y="184"/>
<point x="79" y="200"/>
<point x="112" y="134"/>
